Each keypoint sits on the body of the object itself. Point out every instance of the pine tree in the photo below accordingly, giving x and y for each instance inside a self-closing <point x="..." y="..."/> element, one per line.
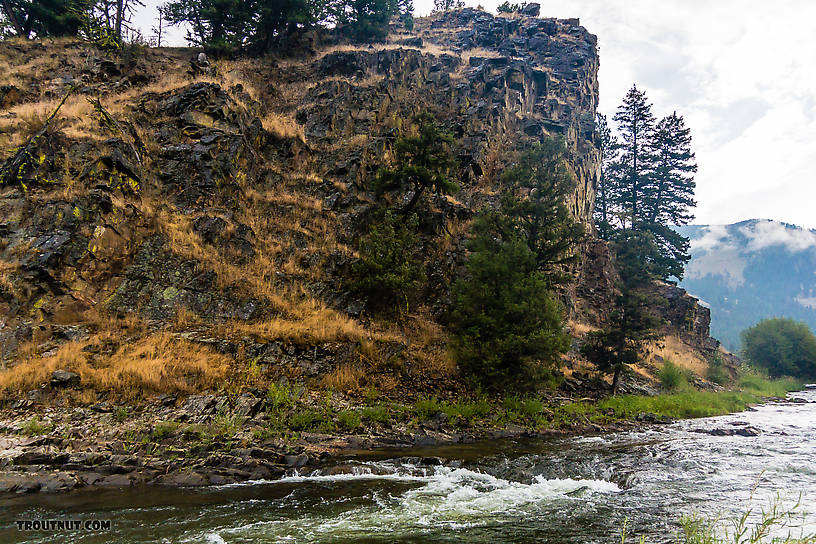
<point x="365" y="20"/>
<point x="671" y="194"/>
<point x="221" y="26"/>
<point x="633" y="169"/>
<point x="537" y="185"/>
<point x="44" y="18"/>
<point x="424" y="161"/>
<point x="632" y="321"/>
<point x="508" y="328"/>
<point x="389" y="273"/>
<point x="605" y="196"/>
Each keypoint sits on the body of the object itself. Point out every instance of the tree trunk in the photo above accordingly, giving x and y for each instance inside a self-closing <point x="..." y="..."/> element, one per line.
<point x="413" y="202"/>
<point x="120" y="14"/>
<point x="616" y="380"/>
<point x="12" y="17"/>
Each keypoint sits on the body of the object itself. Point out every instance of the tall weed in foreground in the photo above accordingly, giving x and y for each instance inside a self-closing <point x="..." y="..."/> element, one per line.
<point x="775" y="523"/>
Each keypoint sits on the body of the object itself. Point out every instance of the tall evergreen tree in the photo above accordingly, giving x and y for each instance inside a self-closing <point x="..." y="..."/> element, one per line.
<point x="671" y="192"/>
<point x="632" y="321"/>
<point x="508" y="328"/>
<point x="605" y="197"/>
<point x="633" y="169"/>
<point x="537" y="185"/>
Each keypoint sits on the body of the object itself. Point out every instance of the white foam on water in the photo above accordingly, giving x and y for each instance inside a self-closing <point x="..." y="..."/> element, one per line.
<point x="215" y="538"/>
<point x="450" y="497"/>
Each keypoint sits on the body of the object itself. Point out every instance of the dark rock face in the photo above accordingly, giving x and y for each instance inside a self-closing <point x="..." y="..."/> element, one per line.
<point x="64" y="378"/>
<point x="208" y="139"/>
<point x="159" y="282"/>
<point x="542" y="72"/>
<point x="686" y="315"/>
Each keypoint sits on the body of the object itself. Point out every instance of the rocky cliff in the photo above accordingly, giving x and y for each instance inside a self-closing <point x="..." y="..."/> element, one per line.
<point x="175" y="243"/>
<point x="236" y="196"/>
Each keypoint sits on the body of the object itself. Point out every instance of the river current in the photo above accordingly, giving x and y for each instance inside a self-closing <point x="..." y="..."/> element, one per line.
<point x="575" y="490"/>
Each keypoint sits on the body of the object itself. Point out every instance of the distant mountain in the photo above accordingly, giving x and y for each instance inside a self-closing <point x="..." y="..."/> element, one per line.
<point x="751" y="270"/>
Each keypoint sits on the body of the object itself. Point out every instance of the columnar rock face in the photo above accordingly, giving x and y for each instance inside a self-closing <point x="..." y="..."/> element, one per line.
<point x="500" y="79"/>
<point x="542" y="72"/>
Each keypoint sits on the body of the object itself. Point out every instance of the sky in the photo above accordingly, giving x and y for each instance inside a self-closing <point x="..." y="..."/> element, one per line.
<point x="742" y="73"/>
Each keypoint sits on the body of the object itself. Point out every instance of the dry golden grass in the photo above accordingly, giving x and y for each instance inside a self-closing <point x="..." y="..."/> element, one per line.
<point x="307" y="322"/>
<point x="346" y="378"/>
<point x="159" y="363"/>
<point x="681" y="354"/>
<point x="478" y="52"/>
<point x="7" y="270"/>
<point x="427" y="345"/>
<point x="74" y="119"/>
<point x="430" y="48"/>
<point x="578" y="329"/>
<point x="283" y="126"/>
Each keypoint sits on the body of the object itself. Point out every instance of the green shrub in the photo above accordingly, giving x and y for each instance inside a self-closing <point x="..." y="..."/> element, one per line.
<point x="781" y="347"/>
<point x="35" y="426"/>
<point x="427" y="407"/>
<point x="672" y="377"/>
<point x="305" y="420"/>
<point x="388" y="273"/>
<point x="225" y="425"/>
<point x="120" y="414"/>
<point x="279" y="398"/>
<point x="468" y="410"/>
<point x="378" y="413"/>
<point x="348" y="420"/>
<point x="518" y="407"/>
<point x="164" y="429"/>
<point x="753" y="382"/>
<point x="716" y="370"/>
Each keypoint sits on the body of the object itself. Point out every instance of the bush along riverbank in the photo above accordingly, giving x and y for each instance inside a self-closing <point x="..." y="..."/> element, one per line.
<point x="210" y="440"/>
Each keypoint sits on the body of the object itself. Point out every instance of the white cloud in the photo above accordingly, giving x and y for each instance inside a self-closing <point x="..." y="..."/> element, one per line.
<point x="807" y="302"/>
<point x="726" y="262"/>
<point x="714" y="237"/>
<point x="764" y="234"/>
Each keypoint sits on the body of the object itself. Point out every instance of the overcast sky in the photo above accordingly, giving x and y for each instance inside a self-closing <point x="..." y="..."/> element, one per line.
<point x="741" y="72"/>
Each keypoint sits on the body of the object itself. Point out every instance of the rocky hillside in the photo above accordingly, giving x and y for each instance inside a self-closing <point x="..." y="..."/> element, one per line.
<point x="750" y="271"/>
<point x="176" y="243"/>
<point x="174" y="230"/>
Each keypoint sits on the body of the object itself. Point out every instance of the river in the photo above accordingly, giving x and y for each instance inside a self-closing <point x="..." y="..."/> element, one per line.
<point x="576" y="490"/>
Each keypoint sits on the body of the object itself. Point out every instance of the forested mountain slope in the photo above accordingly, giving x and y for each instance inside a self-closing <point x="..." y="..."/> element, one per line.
<point x="752" y="270"/>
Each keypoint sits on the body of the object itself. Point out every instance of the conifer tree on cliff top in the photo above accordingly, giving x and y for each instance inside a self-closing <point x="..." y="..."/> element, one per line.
<point x="671" y="192"/>
<point x="647" y="180"/>
<point x="43" y="18"/>
<point x="634" y="166"/>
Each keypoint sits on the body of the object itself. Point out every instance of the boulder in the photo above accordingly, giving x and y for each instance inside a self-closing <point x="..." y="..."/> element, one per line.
<point x="64" y="378"/>
<point x="532" y="9"/>
<point x="247" y="405"/>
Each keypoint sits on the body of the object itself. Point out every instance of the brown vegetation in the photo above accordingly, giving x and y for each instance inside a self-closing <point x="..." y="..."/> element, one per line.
<point x="157" y="363"/>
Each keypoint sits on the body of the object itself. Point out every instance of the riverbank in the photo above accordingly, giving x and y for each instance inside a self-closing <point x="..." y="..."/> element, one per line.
<point x="211" y="440"/>
<point x="536" y="491"/>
